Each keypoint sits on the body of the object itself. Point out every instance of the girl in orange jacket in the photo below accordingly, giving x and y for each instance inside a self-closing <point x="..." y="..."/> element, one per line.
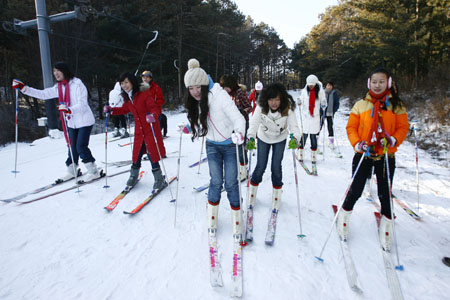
<point x="377" y="123"/>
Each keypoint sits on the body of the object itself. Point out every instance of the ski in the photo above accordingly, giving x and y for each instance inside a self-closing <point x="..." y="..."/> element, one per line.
<point x="352" y="275"/>
<point x="249" y="224"/>
<point x="314" y="169"/>
<point x="41" y="189"/>
<point x="122" y="195"/>
<point x="201" y="188"/>
<point x="148" y="199"/>
<point x="391" y="275"/>
<point x="406" y="208"/>
<point x="198" y="162"/>
<point x="236" y="275"/>
<point x="305" y="167"/>
<point x="336" y="152"/>
<point x="119" y="138"/>
<point x="215" y="270"/>
<point x="271" y="227"/>
<point x="71" y="187"/>
<point x="126" y="144"/>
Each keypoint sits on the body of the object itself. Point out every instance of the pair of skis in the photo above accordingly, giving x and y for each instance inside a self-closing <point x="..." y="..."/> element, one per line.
<point x="399" y="202"/>
<point x="390" y="268"/>
<point x="271" y="227"/>
<point x="111" y="206"/>
<point x="216" y="269"/>
<point x="75" y="186"/>
<point x="41" y="189"/>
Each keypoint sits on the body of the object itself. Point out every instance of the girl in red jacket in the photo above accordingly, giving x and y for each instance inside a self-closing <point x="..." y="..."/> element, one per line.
<point x="139" y="101"/>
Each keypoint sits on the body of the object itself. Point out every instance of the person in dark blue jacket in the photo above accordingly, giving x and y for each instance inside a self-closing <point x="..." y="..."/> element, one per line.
<point x="332" y="107"/>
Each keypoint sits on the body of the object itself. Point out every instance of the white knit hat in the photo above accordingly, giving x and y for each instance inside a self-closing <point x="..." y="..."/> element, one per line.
<point x="258" y="86"/>
<point x="195" y="75"/>
<point x="312" y="80"/>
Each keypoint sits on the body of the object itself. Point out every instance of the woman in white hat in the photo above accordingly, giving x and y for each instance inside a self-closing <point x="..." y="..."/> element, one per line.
<point x="311" y="99"/>
<point x="212" y="114"/>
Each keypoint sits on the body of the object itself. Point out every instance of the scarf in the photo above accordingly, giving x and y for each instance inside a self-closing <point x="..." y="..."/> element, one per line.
<point x="312" y="101"/>
<point x="377" y="131"/>
<point x="64" y="99"/>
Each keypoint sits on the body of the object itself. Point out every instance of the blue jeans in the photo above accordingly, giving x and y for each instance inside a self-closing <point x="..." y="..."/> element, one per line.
<point x="137" y="164"/>
<point x="263" y="157"/>
<point x="220" y="158"/>
<point x="313" y="141"/>
<point x="79" y="139"/>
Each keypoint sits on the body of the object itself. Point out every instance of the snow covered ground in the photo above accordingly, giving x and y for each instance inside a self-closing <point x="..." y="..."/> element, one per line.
<point x="69" y="247"/>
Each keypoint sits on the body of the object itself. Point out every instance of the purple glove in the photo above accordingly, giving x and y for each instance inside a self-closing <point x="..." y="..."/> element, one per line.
<point x="107" y="109"/>
<point x="150" y="118"/>
<point x="361" y="147"/>
<point x="391" y="141"/>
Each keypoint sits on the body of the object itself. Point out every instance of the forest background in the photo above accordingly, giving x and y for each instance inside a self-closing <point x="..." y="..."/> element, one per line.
<point x="409" y="38"/>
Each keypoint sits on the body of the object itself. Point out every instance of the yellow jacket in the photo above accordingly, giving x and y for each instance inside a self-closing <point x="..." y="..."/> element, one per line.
<point x="360" y="122"/>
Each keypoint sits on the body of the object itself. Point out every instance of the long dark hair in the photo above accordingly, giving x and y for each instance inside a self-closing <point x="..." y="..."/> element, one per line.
<point x="272" y="91"/>
<point x="197" y="111"/>
<point x="132" y="79"/>
<point x="64" y="68"/>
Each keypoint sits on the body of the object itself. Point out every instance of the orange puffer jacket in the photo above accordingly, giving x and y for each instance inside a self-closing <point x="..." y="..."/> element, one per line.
<point x="360" y="121"/>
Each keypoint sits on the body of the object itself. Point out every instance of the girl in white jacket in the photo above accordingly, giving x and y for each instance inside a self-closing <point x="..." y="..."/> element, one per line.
<point x="274" y="118"/>
<point x="311" y="99"/>
<point x="73" y="99"/>
<point x="213" y="114"/>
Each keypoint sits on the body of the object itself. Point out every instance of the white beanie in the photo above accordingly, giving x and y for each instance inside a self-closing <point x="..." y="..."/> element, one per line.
<point x="195" y="75"/>
<point x="312" y="80"/>
<point x="258" y="86"/>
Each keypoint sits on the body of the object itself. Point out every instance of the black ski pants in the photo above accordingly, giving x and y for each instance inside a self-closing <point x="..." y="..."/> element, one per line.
<point x="359" y="181"/>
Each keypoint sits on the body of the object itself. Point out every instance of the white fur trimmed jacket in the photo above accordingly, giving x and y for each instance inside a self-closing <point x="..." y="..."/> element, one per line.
<point x="81" y="114"/>
<point x="311" y="124"/>
<point x="273" y="127"/>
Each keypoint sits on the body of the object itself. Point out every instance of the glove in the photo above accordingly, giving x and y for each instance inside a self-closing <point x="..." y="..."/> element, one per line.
<point x="63" y="108"/>
<point x="107" y="109"/>
<point x="150" y="118"/>
<point x="293" y="143"/>
<point x="237" y="138"/>
<point x="361" y="147"/>
<point x="391" y="141"/>
<point x="251" y="144"/>
<point x="17" y="84"/>
<point x="184" y="128"/>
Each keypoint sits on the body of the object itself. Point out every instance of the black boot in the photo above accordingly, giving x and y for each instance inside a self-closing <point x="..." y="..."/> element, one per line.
<point x="134" y="175"/>
<point x="159" y="179"/>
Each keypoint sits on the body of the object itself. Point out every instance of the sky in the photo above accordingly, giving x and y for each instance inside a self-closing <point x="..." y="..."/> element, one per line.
<point x="292" y="19"/>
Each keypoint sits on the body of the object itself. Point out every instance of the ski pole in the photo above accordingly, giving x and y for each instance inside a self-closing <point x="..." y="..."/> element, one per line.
<point x="301" y="235"/>
<point x="340" y="205"/>
<point x="334" y="134"/>
<point x="146" y="48"/>
<point x="417" y="163"/>
<point x="241" y="211"/>
<point x="201" y="153"/>
<point x="162" y="163"/>
<point x="129" y="131"/>
<point x="17" y="132"/>
<point x="69" y="145"/>
<point x="391" y="203"/>
<point x="323" y="138"/>
<point x="106" y="151"/>
<point x="178" y="178"/>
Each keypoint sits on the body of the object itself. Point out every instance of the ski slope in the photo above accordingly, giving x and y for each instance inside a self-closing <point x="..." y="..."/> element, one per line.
<point x="69" y="247"/>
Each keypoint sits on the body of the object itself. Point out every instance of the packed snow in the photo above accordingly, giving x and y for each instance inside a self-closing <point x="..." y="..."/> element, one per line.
<point x="69" y="247"/>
